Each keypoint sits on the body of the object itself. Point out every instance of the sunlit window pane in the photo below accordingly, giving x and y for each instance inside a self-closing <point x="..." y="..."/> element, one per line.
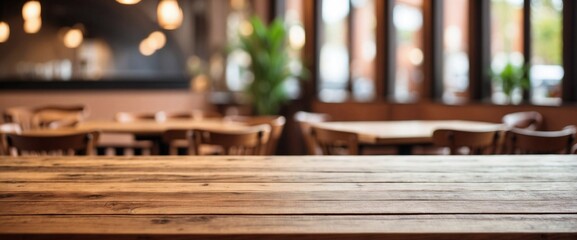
<point x="546" y="46"/>
<point x="408" y="22"/>
<point x="364" y="50"/>
<point x="506" y="43"/>
<point x="455" y="51"/>
<point x="237" y="22"/>
<point x="296" y="39"/>
<point x="334" y="53"/>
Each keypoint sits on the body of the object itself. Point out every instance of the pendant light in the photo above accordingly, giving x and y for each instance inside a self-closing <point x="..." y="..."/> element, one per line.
<point x="128" y="2"/>
<point x="32" y="25"/>
<point x="73" y="38"/>
<point x="169" y="14"/>
<point x="4" y="32"/>
<point x="31" y="12"/>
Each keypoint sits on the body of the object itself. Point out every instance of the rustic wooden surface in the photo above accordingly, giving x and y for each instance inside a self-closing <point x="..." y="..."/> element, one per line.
<point x="284" y="197"/>
<point x="404" y="132"/>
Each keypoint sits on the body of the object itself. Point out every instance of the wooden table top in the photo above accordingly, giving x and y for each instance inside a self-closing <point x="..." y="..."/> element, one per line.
<point x="404" y="132"/>
<point x="153" y="127"/>
<point x="289" y="197"/>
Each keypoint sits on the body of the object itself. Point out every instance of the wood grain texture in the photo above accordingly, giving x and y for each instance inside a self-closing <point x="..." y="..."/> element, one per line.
<point x="289" y="197"/>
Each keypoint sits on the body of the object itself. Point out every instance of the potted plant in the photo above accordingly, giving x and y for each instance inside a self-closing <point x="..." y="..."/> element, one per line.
<point x="512" y="77"/>
<point x="266" y="46"/>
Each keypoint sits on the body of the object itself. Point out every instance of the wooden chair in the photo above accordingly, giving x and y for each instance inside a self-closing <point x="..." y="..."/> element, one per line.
<point x="50" y="116"/>
<point x="19" y="115"/>
<point x="523" y="141"/>
<point x="332" y="142"/>
<point x="58" y="116"/>
<point x="251" y="141"/>
<point x="4" y="129"/>
<point x="79" y="143"/>
<point x="528" y="120"/>
<point x="275" y="122"/>
<point x="467" y="142"/>
<point x="304" y="121"/>
<point x="128" y="144"/>
<point x="177" y="141"/>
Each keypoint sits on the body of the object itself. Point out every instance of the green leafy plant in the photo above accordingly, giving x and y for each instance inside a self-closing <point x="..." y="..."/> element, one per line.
<point x="266" y="46"/>
<point x="513" y="77"/>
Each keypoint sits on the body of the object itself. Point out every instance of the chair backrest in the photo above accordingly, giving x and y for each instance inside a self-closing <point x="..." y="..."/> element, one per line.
<point x="523" y="141"/>
<point x="51" y="116"/>
<point x="177" y="138"/>
<point x="275" y="122"/>
<point x="19" y="115"/>
<point x="162" y="116"/>
<point x="473" y="142"/>
<point x="4" y="129"/>
<point x="249" y="141"/>
<point x="528" y="120"/>
<point x="79" y="143"/>
<point x="332" y="142"/>
<point x="304" y="120"/>
<point x="58" y="116"/>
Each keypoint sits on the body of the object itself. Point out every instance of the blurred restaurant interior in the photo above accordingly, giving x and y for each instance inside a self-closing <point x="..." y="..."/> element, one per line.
<point x="354" y="60"/>
<point x="214" y="119"/>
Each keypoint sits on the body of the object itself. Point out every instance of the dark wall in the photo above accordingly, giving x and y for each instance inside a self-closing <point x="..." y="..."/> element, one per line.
<point x="120" y="27"/>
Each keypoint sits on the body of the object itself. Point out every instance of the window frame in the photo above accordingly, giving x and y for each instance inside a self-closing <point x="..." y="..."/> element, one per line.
<point x="479" y="90"/>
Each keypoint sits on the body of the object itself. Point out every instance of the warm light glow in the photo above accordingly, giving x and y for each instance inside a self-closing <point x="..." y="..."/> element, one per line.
<point x="245" y="28"/>
<point x="128" y="2"/>
<point x="238" y="5"/>
<point x="157" y="39"/>
<point x="73" y="38"/>
<point x="4" y="32"/>
<point x="146" y="47"/>
<point x="297" y="37"/>
<point x="169" y="14"/>
<point x="31" y="10"/>
<point x="32" y="25"/>
<point x="416" y="56"/>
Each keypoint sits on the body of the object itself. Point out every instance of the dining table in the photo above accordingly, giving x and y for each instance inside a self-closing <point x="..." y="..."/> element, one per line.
<point x="404" y="134"/>
<point x="289" y="197"/>
<point x="152" y="127"/>
<point x="115" y="133"/>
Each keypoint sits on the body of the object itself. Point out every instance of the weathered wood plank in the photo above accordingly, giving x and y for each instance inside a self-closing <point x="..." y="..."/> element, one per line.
<point x="311" y="224"/>
<point x="324" y="236"/>
<point x="353" y="195"/>
<point x="287" y="177"/>
<point x="313" y="169"/>
<point x="283" y="207"/>
<point x="161" y="187"/>
<point x="425" y="197"/>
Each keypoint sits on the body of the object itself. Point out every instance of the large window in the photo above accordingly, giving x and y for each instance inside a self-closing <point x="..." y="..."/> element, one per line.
<point x="364" y="49"/>
<point x="334" y="51"/>
<point x="408" y="22"/>
<point x="412" y="49"/>
<point x="455" y="51"/>
<point x="545" y="44"/>
<point x="347" y="50"/>
<point x="506" y="43"/>
<point x="546" y="55"/>
<point x="296" y="36"/>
